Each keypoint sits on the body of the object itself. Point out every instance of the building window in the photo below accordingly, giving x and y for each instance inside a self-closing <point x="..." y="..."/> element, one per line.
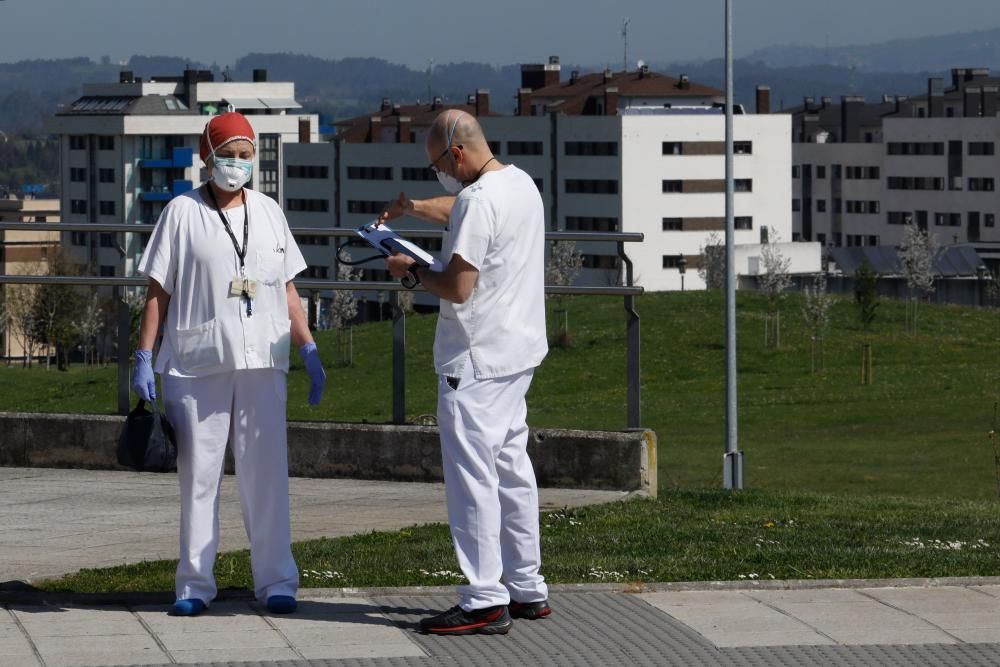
<point x="318" y="272"/>
<point x="307" y="171"/>
<point x="107" y="207"/>
<point x="989" y="219"/>
<point x="494" y="147"/>
<point x="107" y="240"/>
<point x="268" y="183"/>
<point x="898" y="217"/>
<point x="106" y="175"/>
<point x="838" y="170"/>
<point x="744" y="185"/>
<point x="981" y="148"/>
<point x="313" y="240"/>
<point x="78" y="206"/>
<point x="821" y="171"/>
<point x="673" y="224"/>
<point x="796" y="172"/>
<point x="796" y="205"/>
<point x="524" y="147"/>
<point x="673" y="186"/>
<point x="363" y="206"/>
<point x="107" y="271"/>
<point x="673" y="148"/>
<point x="77" y="142"/>
<point x="78" y="238"/>
<point x="915" y="183"/>
<point x="591" y="224"/>
<point x="743" y="223"/>
<point x="838" y="205"/>
<point x="418" y="174"/>
<point x="591" y="186"/>
<point x="600" y="262"/>
<point x="77" y="174"/>
<point x="369" y="173"/>
<point x="268" y="148"/>
<point x="309" y="205"/>
<point x="743" y="147"/>
<point x="948" y="219"/>
<point x="540" y="184"/>
<point x="105" y="143"/>
<point x="915" y="148"/>
<point x="588" y="148"/>
<point x="821" y="206"/>
<point x="981" y="184"/>
<point x="672" y="261"/>
<point x="821" y="238"/>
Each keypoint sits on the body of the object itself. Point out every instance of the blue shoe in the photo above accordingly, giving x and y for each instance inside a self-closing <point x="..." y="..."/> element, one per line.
<point x="188" y="607"/>
<point x="281" y="604"/>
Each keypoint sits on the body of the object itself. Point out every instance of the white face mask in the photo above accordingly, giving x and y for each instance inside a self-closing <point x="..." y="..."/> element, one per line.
<point x="451" y="184"/>
<point x="231" y="174"/>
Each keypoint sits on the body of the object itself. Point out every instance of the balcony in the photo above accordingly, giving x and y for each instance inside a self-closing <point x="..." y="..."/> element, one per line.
<point x="164" y="193"/>
<point x="180" y="158"/>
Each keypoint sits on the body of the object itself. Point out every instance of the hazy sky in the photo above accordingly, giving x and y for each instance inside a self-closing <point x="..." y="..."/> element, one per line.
<point x="499" y="32"/>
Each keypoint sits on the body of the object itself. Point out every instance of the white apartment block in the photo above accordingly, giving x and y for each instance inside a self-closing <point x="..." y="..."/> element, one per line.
<point x="862" y="170"/>
<point x="127" y="148"/>
<point x="625" y="151"/>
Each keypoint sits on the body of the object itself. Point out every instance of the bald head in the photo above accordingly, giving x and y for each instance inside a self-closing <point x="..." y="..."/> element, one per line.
<point x="464" y="129"/>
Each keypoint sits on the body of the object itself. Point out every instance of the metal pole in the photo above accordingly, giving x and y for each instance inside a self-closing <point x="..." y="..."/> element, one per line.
<point x="732" y="467"/>
<point x="633" y="369"/>
<point x="398" y="360"/>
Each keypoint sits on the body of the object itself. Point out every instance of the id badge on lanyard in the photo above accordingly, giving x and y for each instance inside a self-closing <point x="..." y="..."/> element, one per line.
<point x="240" y="285"/>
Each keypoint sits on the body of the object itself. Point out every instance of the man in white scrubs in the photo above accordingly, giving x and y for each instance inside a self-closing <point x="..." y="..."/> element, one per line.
<point x="490" y="337"/>
<point x="220" y="265"/>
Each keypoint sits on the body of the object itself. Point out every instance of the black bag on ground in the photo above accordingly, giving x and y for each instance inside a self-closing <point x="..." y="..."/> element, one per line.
<point x="146" y="443"/>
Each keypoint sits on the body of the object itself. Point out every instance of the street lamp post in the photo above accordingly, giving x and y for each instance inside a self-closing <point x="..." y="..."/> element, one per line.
<point x="682" y="267"/>
<point x="732" y="461"/>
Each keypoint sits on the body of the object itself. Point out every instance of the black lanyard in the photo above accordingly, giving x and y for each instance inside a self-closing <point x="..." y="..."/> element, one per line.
<point x="229" y="230"/>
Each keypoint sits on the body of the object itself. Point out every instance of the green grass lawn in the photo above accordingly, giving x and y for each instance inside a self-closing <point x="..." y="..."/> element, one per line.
<point x="919" y="431"/>
<point x="681" y="536"/>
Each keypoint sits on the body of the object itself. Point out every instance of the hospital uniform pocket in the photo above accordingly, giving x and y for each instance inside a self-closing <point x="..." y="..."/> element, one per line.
<point x="199" y="349"/>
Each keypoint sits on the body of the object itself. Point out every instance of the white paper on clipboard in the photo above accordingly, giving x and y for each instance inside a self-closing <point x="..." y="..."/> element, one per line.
<point x="386" y="241"/>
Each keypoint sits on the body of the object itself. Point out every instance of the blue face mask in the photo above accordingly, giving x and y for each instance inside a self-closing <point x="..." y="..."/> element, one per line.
<point x="230" y="173"/>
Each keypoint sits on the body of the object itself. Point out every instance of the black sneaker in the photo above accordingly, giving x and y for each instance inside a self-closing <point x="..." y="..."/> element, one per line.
<point x="530" y="610"/>
<point x="457" y="621"/>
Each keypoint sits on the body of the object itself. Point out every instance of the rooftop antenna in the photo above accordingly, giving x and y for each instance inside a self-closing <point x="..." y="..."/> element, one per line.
<point x="625" y="40"/>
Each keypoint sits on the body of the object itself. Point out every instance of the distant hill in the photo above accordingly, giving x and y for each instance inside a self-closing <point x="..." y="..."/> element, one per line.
<point x="31" y="91"/>
<point x="934" y="53"/>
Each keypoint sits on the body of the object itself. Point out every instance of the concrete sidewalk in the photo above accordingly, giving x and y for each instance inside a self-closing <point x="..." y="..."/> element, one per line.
<point x="932" y="625"/>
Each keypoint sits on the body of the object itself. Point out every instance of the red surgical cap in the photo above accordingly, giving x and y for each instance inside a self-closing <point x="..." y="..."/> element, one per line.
<point x="222" y="129"/>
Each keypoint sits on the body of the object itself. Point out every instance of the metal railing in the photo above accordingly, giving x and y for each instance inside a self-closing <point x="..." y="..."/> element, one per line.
<point x="628" y="291"/>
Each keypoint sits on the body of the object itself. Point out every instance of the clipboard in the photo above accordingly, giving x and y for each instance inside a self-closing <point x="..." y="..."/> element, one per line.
<point x="386" y="241"/>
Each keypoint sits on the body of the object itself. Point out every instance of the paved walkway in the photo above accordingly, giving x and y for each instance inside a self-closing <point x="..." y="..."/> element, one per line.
<point x="55" y="521"/>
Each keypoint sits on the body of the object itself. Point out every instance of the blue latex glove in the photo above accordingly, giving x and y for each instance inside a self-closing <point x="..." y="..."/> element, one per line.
<point x="143" y="380"/>
<point x="314" y="367"/>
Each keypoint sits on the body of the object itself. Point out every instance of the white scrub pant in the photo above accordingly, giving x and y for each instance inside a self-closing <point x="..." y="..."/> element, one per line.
<point x="247" y="409"/>
<point x="491" y="491"/>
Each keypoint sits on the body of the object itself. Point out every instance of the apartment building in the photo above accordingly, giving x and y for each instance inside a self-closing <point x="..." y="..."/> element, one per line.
<point x="128" y="148"/>
<point x="862" y="170"/>
<point x="609" y="151"/>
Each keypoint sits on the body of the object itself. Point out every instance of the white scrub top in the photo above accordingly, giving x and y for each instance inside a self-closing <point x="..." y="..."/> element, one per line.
<point x="192" y="257"/>
<point x="498" y="226"/>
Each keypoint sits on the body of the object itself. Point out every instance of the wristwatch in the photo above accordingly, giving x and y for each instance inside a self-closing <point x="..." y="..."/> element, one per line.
<point x="411" y="279"/>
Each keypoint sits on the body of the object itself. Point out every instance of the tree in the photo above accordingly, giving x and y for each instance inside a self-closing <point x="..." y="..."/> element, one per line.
<point x="916" y="259"/>
<point x="866" y="299"/>
<point x="564" y="265"/>
<point x="20" y="305"/>
<point x="342" y="310"/>
<point x="774" y="281"/>
<point x="55" y="309"/>
<point x="816" y="304"/>
<point x="88" y="324"/>
<point x="713" y="262"/>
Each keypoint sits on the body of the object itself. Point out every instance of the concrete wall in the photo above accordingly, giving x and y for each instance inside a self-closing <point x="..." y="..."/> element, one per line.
<point x="562" y="458"/>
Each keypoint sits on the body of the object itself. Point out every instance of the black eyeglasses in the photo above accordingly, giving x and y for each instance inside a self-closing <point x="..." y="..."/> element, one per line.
<point x="433" y="165"/>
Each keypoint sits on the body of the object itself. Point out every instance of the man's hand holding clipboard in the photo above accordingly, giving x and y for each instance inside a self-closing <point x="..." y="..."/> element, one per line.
<point x="389" y="243"/>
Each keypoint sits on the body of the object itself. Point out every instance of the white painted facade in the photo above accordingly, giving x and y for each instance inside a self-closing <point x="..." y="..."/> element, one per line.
<point x="646" y="207"/>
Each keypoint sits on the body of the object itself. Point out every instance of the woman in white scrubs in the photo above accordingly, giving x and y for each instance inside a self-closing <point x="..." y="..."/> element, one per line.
<point x="220" y="265"/>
